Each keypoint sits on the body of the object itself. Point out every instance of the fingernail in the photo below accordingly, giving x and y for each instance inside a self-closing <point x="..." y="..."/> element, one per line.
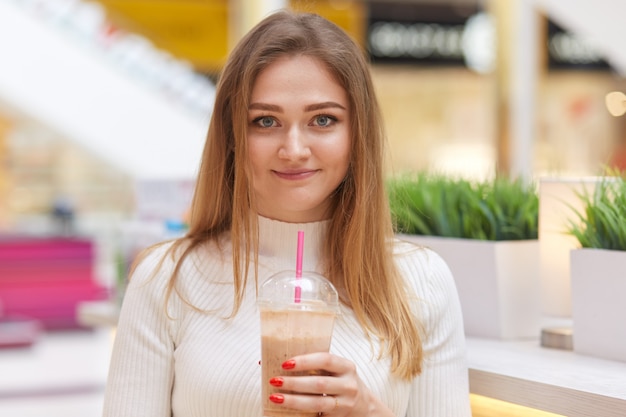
<point x="277" y="398"/>
<point x="277" y="382"/>
<point x="290" y="364"/>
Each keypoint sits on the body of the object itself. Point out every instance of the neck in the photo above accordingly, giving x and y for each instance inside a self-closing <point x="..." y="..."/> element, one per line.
<point x="278" y="240"/>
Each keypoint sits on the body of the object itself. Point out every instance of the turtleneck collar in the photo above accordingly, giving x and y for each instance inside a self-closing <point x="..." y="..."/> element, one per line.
<point x="278" y="241"/>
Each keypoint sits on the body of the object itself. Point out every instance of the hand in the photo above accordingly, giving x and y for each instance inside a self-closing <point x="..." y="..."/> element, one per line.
<point x="339" y="393"/>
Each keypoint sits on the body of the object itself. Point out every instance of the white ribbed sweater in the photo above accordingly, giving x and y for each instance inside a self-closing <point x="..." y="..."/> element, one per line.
<point x="194" y="364"/>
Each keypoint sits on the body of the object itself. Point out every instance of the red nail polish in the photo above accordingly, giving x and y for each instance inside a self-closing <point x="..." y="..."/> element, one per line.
<point x="290" y="364"/>
<point x="277" y="398"/>
<point x="276" y="382"/>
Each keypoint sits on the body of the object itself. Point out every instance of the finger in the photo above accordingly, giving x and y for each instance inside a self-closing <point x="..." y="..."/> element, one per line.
<point x="316" y="385"/>
<point x="310" y="403"/>
<point x="321" y="360"/>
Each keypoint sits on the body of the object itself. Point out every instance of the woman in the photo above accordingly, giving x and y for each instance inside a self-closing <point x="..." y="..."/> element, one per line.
<point x="295" y="143"/>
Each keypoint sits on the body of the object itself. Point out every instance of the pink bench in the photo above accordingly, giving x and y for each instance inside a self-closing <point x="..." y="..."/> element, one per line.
<point x="44" y="279"/>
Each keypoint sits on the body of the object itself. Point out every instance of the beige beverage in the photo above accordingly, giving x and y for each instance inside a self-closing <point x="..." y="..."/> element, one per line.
<point x="286" y="333"/>
<point x="297" y="314"/>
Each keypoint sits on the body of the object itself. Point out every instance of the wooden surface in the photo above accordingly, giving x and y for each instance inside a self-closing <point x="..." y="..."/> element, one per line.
<point x="523" y="373"/>
<point x="556" y="381"/>
<point x="488" y="407"/>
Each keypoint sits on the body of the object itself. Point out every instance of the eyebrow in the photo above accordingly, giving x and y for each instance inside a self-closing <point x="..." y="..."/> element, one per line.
<point x="310" y="107"/>
<point x="264" y="106"/>
<point x="324" y="105"/>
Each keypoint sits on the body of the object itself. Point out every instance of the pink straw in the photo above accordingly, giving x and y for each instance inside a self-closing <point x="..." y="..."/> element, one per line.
<point x="298" y="294"/>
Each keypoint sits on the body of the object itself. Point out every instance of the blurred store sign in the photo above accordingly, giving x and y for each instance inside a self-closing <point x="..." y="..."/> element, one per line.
<point x="601" y="22"/>
<point x="567" y="50"/>
<point x="451" y="35"/>
<point x="407" y="32"/>
<point x="479" y="39"/>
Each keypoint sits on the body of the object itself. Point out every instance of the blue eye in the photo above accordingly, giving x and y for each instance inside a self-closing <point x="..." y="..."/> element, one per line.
<point x="324" y="120"/>
<point x="264" y="121"/>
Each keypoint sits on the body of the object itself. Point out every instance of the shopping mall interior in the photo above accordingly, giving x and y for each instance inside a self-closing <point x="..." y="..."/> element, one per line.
<point x="104" y="107"/>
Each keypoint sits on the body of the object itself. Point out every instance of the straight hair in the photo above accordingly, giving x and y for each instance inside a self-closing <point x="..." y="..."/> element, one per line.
<point x="358" y="252"/>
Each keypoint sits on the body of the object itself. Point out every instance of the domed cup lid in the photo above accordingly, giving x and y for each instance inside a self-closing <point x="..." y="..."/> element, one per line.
<point x="311" y="291"/>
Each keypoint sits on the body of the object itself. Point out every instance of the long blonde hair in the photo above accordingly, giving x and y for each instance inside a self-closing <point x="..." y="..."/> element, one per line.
<point x="358" y="251"/>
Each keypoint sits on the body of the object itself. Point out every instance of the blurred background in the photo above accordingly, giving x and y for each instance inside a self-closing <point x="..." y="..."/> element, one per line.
<point x="104" y="107"/>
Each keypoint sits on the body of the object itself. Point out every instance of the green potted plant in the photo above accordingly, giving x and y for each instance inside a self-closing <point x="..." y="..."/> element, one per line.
<point x="487" y="233"/>
<point x="436" y="205"/>
<point x="598" y="270"/>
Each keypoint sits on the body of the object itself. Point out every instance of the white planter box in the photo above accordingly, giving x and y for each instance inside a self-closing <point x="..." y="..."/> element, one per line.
<point x="599" y="302"/>
<point x="558" y="204"/>
<point x="498" y="284"/>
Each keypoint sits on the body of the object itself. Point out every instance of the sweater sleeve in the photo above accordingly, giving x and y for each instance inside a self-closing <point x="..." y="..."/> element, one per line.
<point x="442" y="389"/>
<point x="141" y="371"/>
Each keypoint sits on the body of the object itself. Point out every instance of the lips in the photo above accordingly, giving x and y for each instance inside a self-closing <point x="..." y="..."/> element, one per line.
<point x="295" y="175"/>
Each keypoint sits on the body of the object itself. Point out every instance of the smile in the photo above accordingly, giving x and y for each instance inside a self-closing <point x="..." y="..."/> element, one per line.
<point x="295" y="175"/>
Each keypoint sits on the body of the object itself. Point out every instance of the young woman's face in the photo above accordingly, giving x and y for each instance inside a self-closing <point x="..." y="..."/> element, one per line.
<point x="298" y="139"/>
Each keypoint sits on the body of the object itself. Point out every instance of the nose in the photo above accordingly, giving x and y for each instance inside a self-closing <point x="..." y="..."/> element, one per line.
<point x="294" y="146"/>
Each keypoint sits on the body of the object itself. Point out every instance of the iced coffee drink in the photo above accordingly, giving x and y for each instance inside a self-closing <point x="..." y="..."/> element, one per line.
<point x="290" y="328"/>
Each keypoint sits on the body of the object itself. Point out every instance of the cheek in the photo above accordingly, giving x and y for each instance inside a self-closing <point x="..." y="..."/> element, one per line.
<point x="255" y="155"/>
<point x="345" y="163"/>
<point x="344" y="156"/>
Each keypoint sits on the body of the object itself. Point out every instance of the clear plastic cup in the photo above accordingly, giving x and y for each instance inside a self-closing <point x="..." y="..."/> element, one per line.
<point x="297" y="317"/>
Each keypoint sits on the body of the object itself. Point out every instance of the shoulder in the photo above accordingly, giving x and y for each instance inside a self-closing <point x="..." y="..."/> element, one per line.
<point x="164" y="258"/>
<point x="172" y="274"/>
<point x="428" y="279"/>
<point x="152" y="261"/>
<point x="420" y="264"/>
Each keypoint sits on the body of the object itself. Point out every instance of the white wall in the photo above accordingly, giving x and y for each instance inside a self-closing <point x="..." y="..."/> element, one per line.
<point x="71" y="88"/>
